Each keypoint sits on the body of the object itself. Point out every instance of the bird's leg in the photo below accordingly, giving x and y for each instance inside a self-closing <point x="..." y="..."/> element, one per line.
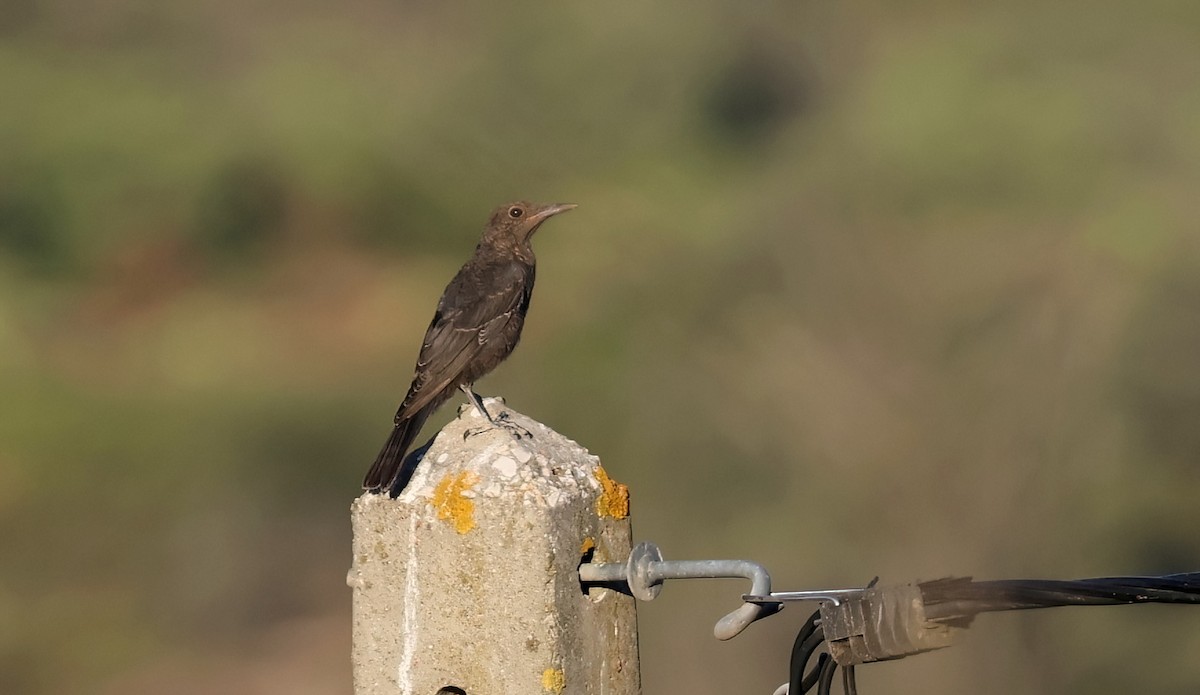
<point x="502" y="420"/>
<point x="478" y="403"/>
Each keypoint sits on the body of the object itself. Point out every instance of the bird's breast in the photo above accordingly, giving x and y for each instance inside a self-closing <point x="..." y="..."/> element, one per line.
<point x="496" y="345"/>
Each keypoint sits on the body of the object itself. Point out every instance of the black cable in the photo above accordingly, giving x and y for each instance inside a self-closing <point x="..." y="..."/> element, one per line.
<point x="949" y="599"/>
<point x="812" y="677"/>
<point x="849" y="685"/>
<point x="954" y="602"/>
<point x="807" y="641"/>
<point x="827" y="667"/>
<point x="798" y="660"/>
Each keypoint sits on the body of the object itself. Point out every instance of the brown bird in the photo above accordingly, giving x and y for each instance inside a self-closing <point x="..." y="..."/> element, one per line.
<point x="476" y="326"/>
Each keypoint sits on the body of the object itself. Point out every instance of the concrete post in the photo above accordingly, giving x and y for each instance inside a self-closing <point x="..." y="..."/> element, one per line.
<point x="470" y="579"/>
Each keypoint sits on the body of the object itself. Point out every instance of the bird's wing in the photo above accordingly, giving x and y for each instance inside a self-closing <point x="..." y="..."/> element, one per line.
<point x="468" y="315"/>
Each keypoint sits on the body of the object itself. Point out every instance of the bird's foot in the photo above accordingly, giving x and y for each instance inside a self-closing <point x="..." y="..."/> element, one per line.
<point x="502" y="421"/>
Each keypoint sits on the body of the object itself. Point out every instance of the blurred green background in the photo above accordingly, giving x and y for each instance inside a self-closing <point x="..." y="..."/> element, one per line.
<point x="854" y="289"/>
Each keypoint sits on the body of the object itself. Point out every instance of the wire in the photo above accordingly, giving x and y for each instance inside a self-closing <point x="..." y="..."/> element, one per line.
<point x="874" y="629"/>
<point x="947" y="600"/>
<point x="808" y="641"/>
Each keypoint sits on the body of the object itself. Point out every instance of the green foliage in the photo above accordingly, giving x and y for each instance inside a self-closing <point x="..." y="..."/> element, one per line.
<point x="242" y="208"/>
<point x="32" y="228"/>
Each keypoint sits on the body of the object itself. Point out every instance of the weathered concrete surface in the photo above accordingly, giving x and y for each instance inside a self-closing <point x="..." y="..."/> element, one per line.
<point x="469" y="578"/>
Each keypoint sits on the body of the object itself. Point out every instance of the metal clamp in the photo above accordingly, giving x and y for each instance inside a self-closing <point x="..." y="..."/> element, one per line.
<point x="645" y="572"/>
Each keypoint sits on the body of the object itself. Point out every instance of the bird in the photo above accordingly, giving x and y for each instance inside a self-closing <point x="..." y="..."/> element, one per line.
<point x="476" y="326"/>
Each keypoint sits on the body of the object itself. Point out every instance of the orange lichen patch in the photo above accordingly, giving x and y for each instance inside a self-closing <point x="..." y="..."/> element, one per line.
<point x="614" y="497"/>
<point x="452" y="505"/>
<point x="554" y="680"/>
<point x="588" y="544"/>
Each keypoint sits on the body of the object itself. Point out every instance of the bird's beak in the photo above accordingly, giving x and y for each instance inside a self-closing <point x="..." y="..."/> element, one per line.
<point x="549" y="211"/>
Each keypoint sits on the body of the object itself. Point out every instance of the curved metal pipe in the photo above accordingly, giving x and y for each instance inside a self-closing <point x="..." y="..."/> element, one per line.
<point x="645" y="572"/>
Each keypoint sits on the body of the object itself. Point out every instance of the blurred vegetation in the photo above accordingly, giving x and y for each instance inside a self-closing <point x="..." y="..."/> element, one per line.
<point x="854" y="289"/>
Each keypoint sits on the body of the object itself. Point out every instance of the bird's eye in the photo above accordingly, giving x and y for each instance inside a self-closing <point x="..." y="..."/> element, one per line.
<point x="515" y="212"/>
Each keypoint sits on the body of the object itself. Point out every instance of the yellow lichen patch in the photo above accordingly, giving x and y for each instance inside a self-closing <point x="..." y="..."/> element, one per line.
<point x="614" y="497"/>
<point x="588" y="544"/>
<point x="554" y="680"/>
<point x="450" y="503"/>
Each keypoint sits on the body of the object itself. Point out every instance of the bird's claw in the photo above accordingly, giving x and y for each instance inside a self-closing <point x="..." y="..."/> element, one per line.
<point x="501" y="421"/>
<point x="504" y="421"/>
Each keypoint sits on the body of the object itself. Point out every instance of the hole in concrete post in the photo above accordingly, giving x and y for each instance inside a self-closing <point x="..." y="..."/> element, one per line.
<point x="588" y="555"/>
<point x="451" y="690"/>
<point x="595" y="590"/>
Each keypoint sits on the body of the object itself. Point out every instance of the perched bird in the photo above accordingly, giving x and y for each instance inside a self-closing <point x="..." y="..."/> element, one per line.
<point x="476" y="326"/>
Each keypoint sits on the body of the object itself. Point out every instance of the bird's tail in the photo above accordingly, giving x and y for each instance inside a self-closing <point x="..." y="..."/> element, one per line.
<point x="387" y="467"/>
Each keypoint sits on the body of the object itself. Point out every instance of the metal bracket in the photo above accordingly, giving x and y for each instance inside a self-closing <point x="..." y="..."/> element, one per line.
<point x="646" y="570"/>
<point x="834" y="596"/>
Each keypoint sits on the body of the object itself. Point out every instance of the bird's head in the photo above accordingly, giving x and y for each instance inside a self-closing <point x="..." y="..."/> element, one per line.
<point x="521" y="219"/>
